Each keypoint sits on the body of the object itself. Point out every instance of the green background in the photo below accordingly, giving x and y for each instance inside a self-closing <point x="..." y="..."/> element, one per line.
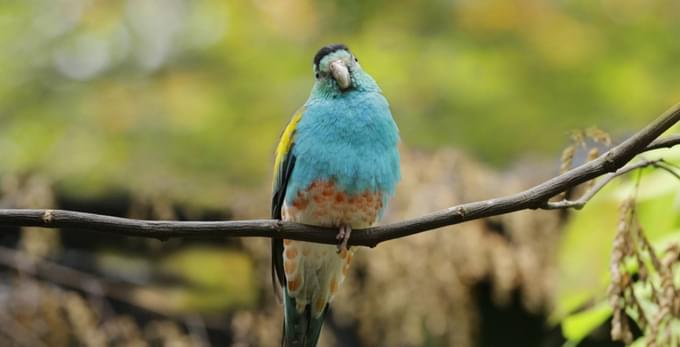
<point x="161" y="96"/>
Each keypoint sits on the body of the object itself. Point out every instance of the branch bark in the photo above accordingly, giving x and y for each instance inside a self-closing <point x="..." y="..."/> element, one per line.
<point x="533" y="198"/>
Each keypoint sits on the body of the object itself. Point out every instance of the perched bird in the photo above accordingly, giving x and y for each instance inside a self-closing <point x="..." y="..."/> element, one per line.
<point x="336" y="165"/>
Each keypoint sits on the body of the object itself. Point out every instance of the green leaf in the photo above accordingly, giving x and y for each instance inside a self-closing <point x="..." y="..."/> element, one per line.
<point x="579" y="325"/>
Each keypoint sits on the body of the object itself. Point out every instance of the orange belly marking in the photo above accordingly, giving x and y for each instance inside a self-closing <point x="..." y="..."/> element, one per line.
<point x="320" y="203"/>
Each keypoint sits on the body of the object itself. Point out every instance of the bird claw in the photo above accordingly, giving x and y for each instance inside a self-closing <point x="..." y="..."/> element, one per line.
<point x="343" y="235"/>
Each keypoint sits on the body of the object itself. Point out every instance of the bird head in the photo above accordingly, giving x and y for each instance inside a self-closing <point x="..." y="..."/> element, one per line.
<point x="337" y="70"/>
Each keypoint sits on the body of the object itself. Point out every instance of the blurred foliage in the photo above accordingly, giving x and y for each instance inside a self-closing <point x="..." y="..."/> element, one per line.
<point x="183" y="101"/>
<point x="201" y="279"/>
<point x="37" y="314"/>
<point x="585" y="255"/>
<point x="188" y="97"/>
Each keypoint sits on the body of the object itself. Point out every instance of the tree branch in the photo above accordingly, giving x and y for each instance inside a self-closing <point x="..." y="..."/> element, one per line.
<point x="533" y="198"/>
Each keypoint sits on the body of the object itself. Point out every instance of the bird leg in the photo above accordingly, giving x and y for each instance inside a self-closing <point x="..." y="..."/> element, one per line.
<point x="343" y="235"/>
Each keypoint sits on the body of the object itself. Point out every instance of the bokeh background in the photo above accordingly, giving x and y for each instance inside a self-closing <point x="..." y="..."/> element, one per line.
<point x="170" y="109"/>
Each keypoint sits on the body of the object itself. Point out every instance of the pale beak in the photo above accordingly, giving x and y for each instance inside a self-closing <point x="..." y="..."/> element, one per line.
<point x="340" y="74"/>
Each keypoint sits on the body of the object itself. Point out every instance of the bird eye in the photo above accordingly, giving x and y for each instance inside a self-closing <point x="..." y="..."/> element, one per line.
<point x="316" y="75"/>
<point x="356" y="60"/>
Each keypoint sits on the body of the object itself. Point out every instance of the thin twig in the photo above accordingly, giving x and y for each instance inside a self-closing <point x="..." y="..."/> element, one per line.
<point x="604" y="180"/>
<point x="664" y="166"/>
<point x="533" y="198"/>
<point x="666" y="142"/>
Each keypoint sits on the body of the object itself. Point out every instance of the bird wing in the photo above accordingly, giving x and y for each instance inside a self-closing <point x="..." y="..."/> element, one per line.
<point x="283" y="168"/>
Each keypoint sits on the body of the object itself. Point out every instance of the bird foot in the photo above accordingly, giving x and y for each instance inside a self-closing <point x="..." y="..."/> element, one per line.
<point x="343" y="235"/>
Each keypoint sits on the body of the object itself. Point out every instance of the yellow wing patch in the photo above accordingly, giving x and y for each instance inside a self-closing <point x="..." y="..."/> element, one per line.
<point x="286" y="141"/>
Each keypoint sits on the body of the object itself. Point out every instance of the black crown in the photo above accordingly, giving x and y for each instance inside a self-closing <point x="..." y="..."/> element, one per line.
<point x="326" y="50"/>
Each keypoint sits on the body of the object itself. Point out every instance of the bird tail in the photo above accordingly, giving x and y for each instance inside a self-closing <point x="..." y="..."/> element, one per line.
<point x="300" y="329"/>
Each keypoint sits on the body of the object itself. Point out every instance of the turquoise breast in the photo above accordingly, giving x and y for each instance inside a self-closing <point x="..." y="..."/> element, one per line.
<point x="350" y="140"/>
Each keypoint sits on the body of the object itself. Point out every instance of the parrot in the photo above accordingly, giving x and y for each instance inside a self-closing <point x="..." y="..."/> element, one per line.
<point x="336" y="166"/>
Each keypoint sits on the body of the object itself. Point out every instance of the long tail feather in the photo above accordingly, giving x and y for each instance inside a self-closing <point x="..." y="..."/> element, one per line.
<point x="300" y="329"/>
